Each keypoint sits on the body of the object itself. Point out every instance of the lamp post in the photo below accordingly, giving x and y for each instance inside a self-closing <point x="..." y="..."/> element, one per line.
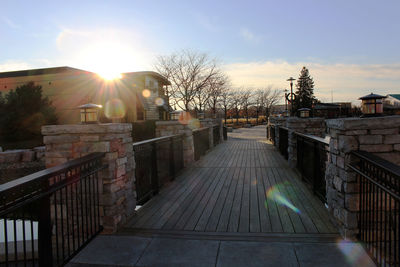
<point x="286" y="96"/>
<point x="291" y="94"/>
<point x="372" y="105"/>
<point x="90" y="113"/>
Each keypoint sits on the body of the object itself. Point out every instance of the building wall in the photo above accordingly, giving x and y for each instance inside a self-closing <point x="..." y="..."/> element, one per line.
<point x="69" y="90"/>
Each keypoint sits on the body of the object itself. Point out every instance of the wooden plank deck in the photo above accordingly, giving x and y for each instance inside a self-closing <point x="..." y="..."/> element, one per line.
<point x="226" y="192"/>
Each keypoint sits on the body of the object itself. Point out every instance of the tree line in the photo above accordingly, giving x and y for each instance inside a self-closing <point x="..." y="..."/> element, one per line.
<point x="198" y="84"/>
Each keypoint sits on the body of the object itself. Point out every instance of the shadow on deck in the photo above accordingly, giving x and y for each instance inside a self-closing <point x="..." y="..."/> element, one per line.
<point x="242" y="188"/>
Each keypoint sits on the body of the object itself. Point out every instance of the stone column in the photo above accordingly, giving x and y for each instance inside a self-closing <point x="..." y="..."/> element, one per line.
<point x="311" y="126"/>
<point x="116" y="183"/>
<point x="165" y="128"/>
<point x="378" y="135"/>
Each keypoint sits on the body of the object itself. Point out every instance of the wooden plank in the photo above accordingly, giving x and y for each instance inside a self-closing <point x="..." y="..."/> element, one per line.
<point x="233" y="225"/>
<point x="293" y="215"/>
<point x="265" y="222"/>
<point x="254" y="210"/>
<point x="227" y="207"/>
<point x="212" y="201"/>
<point x="270" y="205"/>
<point x="194" y="204"/>
<point x="245" y="209"/>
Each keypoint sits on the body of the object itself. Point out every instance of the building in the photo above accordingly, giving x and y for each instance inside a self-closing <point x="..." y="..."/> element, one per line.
<point x="134" y="96"/>
<point x="332" y="110"/>
<point x="391" y="104"/>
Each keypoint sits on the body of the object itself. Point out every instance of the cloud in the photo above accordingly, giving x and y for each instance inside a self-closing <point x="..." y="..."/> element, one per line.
<point x="10" y="23"/>
<point x="249" y="36"/>
<point x="208" y="23"/>
<point x="347" y="82"/>
<point x="12" y="65"/>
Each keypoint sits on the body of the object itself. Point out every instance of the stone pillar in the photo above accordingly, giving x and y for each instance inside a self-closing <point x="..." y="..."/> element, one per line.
<point x="165" y="128"/>
<point x="311" y="126"/>
<point x="378" y="135"/>
<point x="116" y="183"/>
<point x="209" y="123"/>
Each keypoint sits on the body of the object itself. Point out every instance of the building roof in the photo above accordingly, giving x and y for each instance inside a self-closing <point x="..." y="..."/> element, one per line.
<point x="44" y="71"/>
<point x="65" y="69"/>
<point x="150" y="73"/>
<point x="397" y="96"/>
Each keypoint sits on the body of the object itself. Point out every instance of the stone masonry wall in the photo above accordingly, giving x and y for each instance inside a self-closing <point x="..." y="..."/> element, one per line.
<point x="311" y="126"/>
<point x="378" y="135"/>
<point x="116" y="183"/>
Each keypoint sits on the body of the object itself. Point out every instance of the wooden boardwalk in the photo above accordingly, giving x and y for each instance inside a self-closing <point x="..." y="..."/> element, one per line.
<point x="241" y="187"/>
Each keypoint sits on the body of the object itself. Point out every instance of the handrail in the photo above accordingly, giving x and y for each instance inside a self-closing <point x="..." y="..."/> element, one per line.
<point x="381" y="163"/>
<point x="313" y="137"/>
<point x="148" y="141"/>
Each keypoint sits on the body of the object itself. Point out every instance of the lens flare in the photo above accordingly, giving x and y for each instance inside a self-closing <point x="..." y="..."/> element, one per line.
<point x="354" y="253"/>
<point x="159" y="101"/>
<point x="114" y="109"/>
<point x="194" y="124"/>
<point x="110" y="75"/>
<point x="184" y="117"/>
<point x="274" y="194"/>
<point x="146" y="93"/>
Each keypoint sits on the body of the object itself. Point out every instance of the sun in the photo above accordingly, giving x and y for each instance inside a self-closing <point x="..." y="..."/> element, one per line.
<point x="110" y="75"/>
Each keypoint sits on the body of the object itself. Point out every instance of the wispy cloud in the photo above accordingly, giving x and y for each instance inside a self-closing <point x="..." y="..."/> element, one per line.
<point x="209" y="23"/>
<point x="10" y="23"/>
<point x="249" y="36"/>
<point x="12" y="65"/>
<point x="347" y="82"/>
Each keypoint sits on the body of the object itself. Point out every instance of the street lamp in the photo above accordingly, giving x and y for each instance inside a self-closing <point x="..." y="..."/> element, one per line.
<point x="291" y="94"/>
<point x="90" y="113"/>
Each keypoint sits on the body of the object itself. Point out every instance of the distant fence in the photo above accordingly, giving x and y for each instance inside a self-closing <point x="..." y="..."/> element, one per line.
<point x="48" y="216"/>
<point x="201" y="142"/>
<point x="283" y="141"/>
<point x="157" y="161"/>
<point x="379" y="207"/>
<point x="312" y="153"/>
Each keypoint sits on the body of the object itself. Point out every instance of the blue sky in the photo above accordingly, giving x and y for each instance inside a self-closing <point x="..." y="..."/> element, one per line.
<point x="350" y="47"/>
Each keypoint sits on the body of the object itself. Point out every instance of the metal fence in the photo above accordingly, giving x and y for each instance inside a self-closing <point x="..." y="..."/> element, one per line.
<point x="283" y="141"/>
<point x="312" y="153"/>
<point x="48" y="216"/>
<point x="216" y="134"/>
<point x="379" y="191"/>
<point x="201" y="142"/>
<point x="157" y="161"/>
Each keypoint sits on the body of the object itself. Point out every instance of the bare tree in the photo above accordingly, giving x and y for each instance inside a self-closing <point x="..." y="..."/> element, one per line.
<point x="218" y="85"/>
<point x="226" y="100"/>
<point x="236" y="101"/>
<point x="270" y="98"/>
<point x="189" y="73"/>
<point x="246" y="100"/>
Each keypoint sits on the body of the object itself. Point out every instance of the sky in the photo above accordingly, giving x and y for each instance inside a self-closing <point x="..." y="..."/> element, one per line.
<point x="351" y="48"/>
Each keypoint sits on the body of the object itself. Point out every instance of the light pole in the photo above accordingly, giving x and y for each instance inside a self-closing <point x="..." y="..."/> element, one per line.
<point x="291" y="94"/>
<point x="286" y="96"/>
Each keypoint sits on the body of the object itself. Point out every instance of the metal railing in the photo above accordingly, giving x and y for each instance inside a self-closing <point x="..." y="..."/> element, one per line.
<point x="157" y="161"/>
<point x="283" y="141"/>
<point x="379" y="199"/>
<point x="48" y="216"/>
<point x="312" y="154"/>
<point x="216" y="134"/>
<point x="271" y="133"/>
<point x="201" y="142"/>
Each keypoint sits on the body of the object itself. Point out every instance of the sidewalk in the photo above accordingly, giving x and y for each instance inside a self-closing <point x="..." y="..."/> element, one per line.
<point x="117" y="250"/>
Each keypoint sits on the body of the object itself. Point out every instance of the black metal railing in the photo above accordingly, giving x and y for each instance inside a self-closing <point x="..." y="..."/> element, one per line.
<point x="379" y="199"/>
<point x="201" y="142"/>
<point x="225" y="132"/>
<point x="216" y="135"/>
<point x="283" y="141"/>
<point x="271" y="134"/>
<point x="312" y="154"/>
<point x="157" y="161"/>
<point x="48" y="216"/>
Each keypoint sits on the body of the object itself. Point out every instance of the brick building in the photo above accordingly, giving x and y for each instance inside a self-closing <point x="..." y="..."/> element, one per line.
<point x="135" y="96"/>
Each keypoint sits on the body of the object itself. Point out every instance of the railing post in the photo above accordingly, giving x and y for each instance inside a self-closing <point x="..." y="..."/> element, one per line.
<point x="154" y="172"/>
<point x="45" y="232"/>
<point x="172" y="158"/>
